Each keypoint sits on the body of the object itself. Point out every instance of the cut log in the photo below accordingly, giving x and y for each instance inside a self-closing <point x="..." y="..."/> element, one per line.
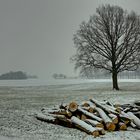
<point x="73" y="106"/>
<point x="96" y="114"/>
<point x="126" y="105"/>
<point x="127" y="109"/>
<point x="137" y="114"/>
<point x="90" y="106"/>
<point x="84" y="126"/>
<point x="90" y="114"/>
<point x="44" y="109"/>
<point x="125" y="120"/>
<point x="55" y="119"/>
<point x="122" y="126"/>
<point x="63" y="106"/>
<point x="59" y="117"/>
<point x="94" y="123"/>
<point x="90" y="103"/>
<point x="68" y="113"/>
<point x="110" y="126"/>
<point x="117" y="105"/>
<point x="46" y="118"/>
<point x="118" y="109"/>
<point x="109" y="105"/>
<point x="113" y="109"/>
<point x="91" y="110"/>
<point x="114" y="118"/>
<point x="135" y="109"/>
<point x="124" y="117"/>
<point x="135" y="119"/>
<point x="57" y="111"/>
<point x="133" y="125"/>
<point x="78" y="116"/>
<point x="85" y="108"/>
<point x="83" y="117"/>
<point x="101" y="130"/>
<point x="85" y="104"/>
<point x="108" y="109"/>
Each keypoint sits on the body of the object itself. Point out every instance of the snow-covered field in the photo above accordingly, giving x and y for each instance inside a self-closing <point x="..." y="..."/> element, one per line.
<point x="20" y="100"/>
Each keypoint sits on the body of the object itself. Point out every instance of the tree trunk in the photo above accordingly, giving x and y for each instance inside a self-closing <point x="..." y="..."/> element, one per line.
<point x="115" y="80"/>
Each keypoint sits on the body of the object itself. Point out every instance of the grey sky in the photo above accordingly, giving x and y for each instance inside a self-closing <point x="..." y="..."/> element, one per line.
<point x="36" y="35"/>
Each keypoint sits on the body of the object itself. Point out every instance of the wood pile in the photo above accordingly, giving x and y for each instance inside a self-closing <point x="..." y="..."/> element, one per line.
<point x="93" y="117"/>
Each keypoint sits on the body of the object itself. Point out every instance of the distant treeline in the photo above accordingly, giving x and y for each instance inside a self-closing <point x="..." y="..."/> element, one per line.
<point x="59" y="76"/>
<point x="15" y="75"/>
<point x="102" y="74"/>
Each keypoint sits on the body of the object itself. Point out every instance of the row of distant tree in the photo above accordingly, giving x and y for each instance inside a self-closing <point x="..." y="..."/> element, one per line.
<point x="16" y="75"/>
<point x="100" y="74"/>
<point x="59" y="76"/>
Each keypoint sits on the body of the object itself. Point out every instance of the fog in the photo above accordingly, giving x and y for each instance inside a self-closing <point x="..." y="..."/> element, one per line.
<point x="36" y="36"/>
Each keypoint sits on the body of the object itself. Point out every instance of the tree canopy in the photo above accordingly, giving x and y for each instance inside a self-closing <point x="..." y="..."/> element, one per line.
<point x="110" y="40"/>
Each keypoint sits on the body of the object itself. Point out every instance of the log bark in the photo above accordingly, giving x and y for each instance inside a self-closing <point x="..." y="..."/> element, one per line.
<point x="90" y="114"/>
<point x="108" y="103"/>
<point x="135" y="109"/>
<point x="110" y="126"/>
<point x="46" y="118"/>
<point x="55" y="119"/>
<point x="85" y="108"/>
<point x="124" y="117"/>
<point x="84" y="126"/>
<point x="135" y="119"/>
<point x="57" y="112"/>
<point x="89" y="105"/>
<point x="101" y="130"/>
<point x="85" y="104"/>
<point x="137" y="114"/>
<point x="114" y="118"/>
<point x="133" y="125"/>
<point x="108" y="109"/>
<point x="94" y="123"/>
<point x="127" y="109"/>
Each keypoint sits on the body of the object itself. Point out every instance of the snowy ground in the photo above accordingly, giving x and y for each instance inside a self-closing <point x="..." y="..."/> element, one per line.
<point x="19" y="104"/>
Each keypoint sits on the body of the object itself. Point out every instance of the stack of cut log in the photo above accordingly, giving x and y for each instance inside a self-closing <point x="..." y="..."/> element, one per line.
<point x="93" y="116"/>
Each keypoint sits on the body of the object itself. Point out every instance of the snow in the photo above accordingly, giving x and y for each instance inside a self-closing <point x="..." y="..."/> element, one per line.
<point x="89" y="114"/>
<point x="20" y="100"/>
<point x="135" y="119"/>
<point x="103" y="115"/>
<point x="48" y="82"/>
<point x="83" y="124"/>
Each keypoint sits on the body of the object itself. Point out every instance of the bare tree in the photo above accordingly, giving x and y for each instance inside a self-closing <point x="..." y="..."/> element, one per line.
<point x="110" y="40"/>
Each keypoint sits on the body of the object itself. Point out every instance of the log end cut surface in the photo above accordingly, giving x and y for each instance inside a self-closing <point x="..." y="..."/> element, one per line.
<point x="95" y="133"/>
<point x="73" y="106"/>
<point x="110" y="126"/>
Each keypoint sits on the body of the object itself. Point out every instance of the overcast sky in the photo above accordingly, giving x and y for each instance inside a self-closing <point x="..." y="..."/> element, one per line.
<point x="36" y="35"/>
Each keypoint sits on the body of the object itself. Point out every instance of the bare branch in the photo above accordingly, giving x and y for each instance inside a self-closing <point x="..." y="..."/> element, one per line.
<point x="110" y="40"/>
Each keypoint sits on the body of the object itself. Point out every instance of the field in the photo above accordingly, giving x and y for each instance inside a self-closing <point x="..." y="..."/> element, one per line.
<point x="18" y="104"/>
